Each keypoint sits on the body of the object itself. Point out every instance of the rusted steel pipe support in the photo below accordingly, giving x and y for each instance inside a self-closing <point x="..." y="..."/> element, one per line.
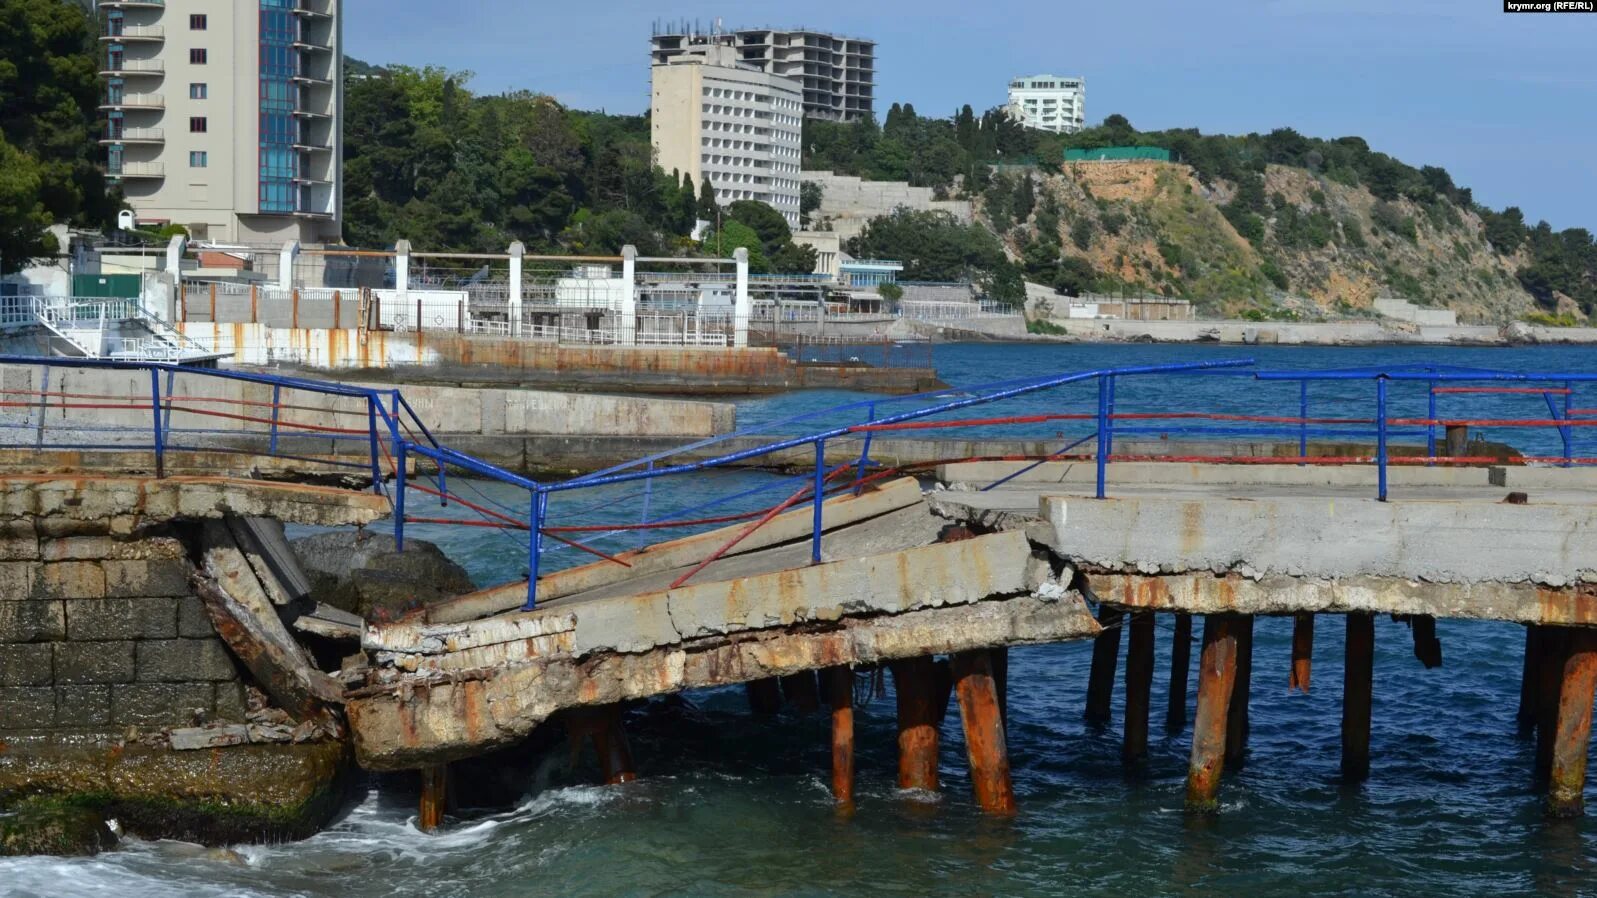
<point x="840" y="695"/>
<point x="1237" y="723"/>
<point x="1567" y="781"/>
<point x="800" y="691"/>
<point x="1357" y="688"/>
<point x="1175" y="718"/>
<point x="1217" y="673"/>
<point x="914" y="683"/>
<point x="1302" y="652"/>
<point x="1105" y="655"/>
<point x="1427" y="648"/>
<point x="1139" y="680"/>
<point x="434" y="797"/>
<point x="985" y="747"/>
<point x="1551" y="651"/>
<point x="765" y="696"/>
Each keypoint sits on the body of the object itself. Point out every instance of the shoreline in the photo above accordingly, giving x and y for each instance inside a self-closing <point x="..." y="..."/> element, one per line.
<point x="1334" y="333"/>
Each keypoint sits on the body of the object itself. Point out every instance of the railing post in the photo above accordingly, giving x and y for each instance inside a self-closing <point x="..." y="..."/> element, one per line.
<point x="371" y="436"/>
<point x="1430" y="426"/>
<point x="648" y="493"/>
<point x="1111" y="419"/>
<point x="155" y="410"/>
<point x="820" y="495"/>
<point x="399" y="497"/>
<point x="535" y="547"/>
<point x="1569" y="393"/>
<point x="1303" y="421"/>
<point x="1380" y="432"/>
<point x="277" y="403"/>
<point x="1564" y="433"/>
<point x="1103" y="431"/>
<point x="865" y="450"/>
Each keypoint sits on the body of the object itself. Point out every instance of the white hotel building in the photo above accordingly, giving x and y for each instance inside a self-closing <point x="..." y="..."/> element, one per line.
<point x="1049" y="102"/>
<point x="717" y="118"/>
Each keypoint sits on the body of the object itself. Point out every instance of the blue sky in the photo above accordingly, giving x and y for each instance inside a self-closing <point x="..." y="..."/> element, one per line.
<point x="1506" y="103"/>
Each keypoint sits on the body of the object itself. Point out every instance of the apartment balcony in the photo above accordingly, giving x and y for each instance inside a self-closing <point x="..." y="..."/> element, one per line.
<point x="132" y="4"/>
<point x="148" y="136"/>
<point x="313" y="9"/>
<point x="137" y="170"/>
<point x="311" y="179"/>
<point x="302" y="113"/>
<point x="309" y="45"/>
<point x="305" y="146"/>
<point x="134" y="101"/>
<point x="133" y="67"/>
<point x="128" y="34"/>
<point x="310" y="80"/>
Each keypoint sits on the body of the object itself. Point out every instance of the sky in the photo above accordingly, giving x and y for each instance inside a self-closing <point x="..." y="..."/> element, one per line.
<point x="1506" y="103"/>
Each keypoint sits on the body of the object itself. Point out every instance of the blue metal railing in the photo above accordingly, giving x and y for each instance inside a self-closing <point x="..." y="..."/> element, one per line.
<point x="1124" y="402"/>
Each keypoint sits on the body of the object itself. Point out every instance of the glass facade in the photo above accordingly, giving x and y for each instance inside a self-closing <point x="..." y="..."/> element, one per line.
<point x="277" y="158"/>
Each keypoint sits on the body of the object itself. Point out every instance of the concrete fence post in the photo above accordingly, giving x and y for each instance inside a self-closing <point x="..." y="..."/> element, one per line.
<point x="741" y="307"/>
<point x="285" y="264"/>
<point x="629" y="295"/>
<point x="174" y="262"/>
<point x="517" y="250"/>
<point x="402" y="270"/>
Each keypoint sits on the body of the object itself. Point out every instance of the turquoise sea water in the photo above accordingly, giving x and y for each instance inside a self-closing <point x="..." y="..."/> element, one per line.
<point x="731" y="805"/>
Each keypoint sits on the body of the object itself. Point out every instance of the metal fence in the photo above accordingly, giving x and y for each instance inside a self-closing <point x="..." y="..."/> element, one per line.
<point x="1391" y="416"/>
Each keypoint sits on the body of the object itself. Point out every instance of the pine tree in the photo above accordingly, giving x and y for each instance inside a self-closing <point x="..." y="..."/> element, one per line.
<point x="688" y="208"/>
<point x="707" y="204"/>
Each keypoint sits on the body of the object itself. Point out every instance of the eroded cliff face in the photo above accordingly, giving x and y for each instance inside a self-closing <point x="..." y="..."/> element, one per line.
<point x="1304" y="245"/>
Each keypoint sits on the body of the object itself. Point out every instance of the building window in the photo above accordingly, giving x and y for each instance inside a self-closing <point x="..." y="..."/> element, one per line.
<point x="197" y="56"/>
<point x="197" y="23"/>
<point x="198" y="159"/>
<point x="197" y="125"/>
<point x="197" y="91"/>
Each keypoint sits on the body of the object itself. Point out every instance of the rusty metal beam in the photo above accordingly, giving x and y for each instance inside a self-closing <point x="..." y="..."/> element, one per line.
<point x="1553" y="646"/>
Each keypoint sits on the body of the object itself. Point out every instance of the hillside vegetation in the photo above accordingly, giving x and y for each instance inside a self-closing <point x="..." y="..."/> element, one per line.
<point x="1280" y="224"/>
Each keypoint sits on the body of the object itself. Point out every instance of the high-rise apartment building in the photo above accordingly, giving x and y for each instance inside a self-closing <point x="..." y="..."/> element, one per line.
<point x="837" y="74"/>
<point x="1049" y="102"/>
<point x="226" y="117"/>
<point x="718" y="119"/>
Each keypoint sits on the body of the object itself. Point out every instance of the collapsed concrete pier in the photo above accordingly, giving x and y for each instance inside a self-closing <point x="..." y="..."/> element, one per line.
<point x="1209" y="541"/>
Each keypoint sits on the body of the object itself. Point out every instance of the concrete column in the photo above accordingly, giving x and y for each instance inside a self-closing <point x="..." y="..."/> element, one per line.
<point x="1526" y="715"/>
<point x="285" y="264"/>
<point x="742" y="306"/>
<point x="629" y="296"/>
<point x="517" y="250"/>
<point x="402" y="271"/>
<point x="174" y="261"/>
<point x="1552" y="648"/>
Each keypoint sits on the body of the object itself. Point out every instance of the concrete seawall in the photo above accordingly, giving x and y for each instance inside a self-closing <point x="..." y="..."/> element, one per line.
<point x="443" y="357"/>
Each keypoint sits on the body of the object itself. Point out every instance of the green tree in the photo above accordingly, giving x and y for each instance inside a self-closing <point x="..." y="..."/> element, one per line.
<point x="707" y="204"/>
<point x="1076" y="276"/>
<point x="48" y="95"/>
<point x="810" y="195"/>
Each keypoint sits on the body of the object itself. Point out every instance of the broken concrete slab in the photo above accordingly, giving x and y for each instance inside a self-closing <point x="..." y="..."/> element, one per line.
<point x="1432" y="541"/>
<point x="458" y="714"/>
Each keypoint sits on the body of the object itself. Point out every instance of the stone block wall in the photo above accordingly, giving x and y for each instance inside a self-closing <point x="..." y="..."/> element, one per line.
<point x="99" y="633"/>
